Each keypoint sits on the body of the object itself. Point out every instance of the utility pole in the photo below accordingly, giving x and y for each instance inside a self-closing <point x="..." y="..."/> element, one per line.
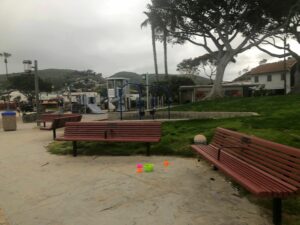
<point x="36" y="86"/>
<point x="28" y="69"/>
<point x="147" y="90"/>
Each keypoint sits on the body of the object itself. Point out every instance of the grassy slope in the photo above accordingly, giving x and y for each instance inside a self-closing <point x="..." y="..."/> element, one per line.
<point x="278" y="121"/>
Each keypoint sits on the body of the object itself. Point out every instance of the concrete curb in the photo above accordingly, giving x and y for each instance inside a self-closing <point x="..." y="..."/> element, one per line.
<point x="181" y="115"/>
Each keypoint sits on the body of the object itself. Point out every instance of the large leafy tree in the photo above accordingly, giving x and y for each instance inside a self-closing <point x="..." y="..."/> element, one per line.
<point x="170" y="87"/>
<point x="224" y="28"/>
<point x="204" y="65"/>
<point x="288" y="14"/>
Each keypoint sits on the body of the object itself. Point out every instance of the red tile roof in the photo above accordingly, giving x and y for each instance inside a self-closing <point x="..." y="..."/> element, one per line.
<point x="272" y="67"/>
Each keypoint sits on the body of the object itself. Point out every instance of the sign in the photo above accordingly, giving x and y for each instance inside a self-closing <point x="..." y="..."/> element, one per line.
<point x="111" y="93"/>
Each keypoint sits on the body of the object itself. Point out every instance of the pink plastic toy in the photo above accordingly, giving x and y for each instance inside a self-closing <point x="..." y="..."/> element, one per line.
<point x="139" y="165"/>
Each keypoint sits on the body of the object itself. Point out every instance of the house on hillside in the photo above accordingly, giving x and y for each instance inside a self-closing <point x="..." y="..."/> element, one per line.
<point x="277" y="77"/>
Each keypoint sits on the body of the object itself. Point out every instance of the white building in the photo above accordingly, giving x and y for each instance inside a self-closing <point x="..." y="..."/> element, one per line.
<point x="277" y="77"/>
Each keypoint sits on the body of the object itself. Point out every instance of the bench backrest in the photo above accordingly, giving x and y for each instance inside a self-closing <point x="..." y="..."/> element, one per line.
<point x="113" y="129"/>
<point x="281" y="161"/>
<point x="51" y="116"/>
<point x="61" y="121"/>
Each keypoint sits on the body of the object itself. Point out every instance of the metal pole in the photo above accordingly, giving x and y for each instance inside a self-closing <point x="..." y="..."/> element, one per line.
<point x="140" y="104"/>
<point x="277" y="211"/>
<point x="284" y="65"/>
<point x="36" y="86"/>
<point x="121" y="108"/>
<point x="6" y="70"/>
<point x="147" y="90"/>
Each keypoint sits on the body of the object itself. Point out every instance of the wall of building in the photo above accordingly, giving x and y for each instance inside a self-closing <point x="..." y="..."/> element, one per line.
<point x="196" y="94"/>
<point x="276" y="84"/>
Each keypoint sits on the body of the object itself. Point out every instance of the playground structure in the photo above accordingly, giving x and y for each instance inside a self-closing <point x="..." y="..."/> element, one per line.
<point x="119" y="97"/>
<point x="85" y="102"/>
<point x="117" y="102"/>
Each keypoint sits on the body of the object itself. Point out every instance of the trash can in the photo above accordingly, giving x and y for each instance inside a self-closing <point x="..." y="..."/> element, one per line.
<point x="9" y="121"/>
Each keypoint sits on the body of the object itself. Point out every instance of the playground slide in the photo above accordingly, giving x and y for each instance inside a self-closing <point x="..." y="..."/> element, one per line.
<point x="94" y="108"/>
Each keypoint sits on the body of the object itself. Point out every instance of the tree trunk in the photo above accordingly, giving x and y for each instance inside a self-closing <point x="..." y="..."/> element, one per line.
<point x="216" y="91"/>
<point x="154" y="52"/>
<point x="166" y="55"/>
<point x="6" y="70"/>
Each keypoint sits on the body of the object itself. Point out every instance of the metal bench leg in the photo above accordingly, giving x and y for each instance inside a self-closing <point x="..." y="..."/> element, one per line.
<point x="74" y="148"/>
<point x="148" y="149"/>
<point x="277" y="207"/>
<point x="215" y="168"/>
<point x="54" y="134"/>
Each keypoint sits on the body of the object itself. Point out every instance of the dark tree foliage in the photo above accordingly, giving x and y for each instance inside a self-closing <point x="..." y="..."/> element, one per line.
<point x="25" y="84"/>
<point x="170" y="87"/>
<point x="286" y="13"/>
<point x="224" y="28"/>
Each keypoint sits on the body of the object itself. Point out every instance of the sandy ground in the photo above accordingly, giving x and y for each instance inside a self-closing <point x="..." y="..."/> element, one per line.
<point x="37" y="188"/>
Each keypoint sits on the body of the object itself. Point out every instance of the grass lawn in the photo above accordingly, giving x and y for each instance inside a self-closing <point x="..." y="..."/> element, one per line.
<point x="278" y="121"/>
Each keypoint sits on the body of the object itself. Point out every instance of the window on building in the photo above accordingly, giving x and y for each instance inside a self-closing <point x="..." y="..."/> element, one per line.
<point x="256" y="80"/>
<point x="269" y="78"/>
<point x="282" y="76"/>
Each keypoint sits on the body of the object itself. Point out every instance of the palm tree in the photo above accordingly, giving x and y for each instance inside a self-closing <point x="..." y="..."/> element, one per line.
<point x="5" y="55"/>
<point x="162" y="28"/>
<point x="151" y="21"/>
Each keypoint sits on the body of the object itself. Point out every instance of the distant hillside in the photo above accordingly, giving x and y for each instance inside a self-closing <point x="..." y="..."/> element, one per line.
<point x="58" y="77"/>
<point x="137" y="78"/>
<point x="133" y="77"/>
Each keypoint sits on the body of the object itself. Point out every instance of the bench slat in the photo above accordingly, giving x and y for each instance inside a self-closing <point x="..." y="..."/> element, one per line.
<point x="269" y="162"/>
<point x="143" y="132"/>
<point x="281" y="164"/>
<point x="238" y="164"/>
<point x="264" y="167"/>
<point x="252" y="179"/>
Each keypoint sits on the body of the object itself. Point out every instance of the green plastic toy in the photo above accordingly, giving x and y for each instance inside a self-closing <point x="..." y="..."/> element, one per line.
<point x="148" y="167"/>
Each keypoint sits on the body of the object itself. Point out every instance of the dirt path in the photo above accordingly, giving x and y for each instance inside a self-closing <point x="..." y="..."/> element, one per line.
<point x="37" y="188"/>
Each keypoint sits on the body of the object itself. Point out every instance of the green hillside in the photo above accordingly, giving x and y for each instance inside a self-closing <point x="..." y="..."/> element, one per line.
<point x="57" y="77"/>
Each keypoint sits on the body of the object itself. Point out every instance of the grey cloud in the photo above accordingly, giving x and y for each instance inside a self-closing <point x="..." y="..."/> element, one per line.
<point x="97" y="34"/>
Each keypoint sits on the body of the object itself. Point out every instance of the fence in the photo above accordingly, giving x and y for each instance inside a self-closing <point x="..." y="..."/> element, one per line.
<point x="12" y="106"/>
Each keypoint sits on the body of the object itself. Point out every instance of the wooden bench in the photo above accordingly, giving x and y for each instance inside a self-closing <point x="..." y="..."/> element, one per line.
<point x="58" y="122"/>
<point x="111" y="131"/>
<point x="49" y="117"/>
<point x="264" y="168"/>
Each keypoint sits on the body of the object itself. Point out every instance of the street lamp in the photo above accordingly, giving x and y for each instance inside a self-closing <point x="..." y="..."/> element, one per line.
<point x="5" y="55"/>
<point x="28" y="68"/>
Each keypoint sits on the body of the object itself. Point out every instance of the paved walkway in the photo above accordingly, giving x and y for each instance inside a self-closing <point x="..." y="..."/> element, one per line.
<point x="38" y="188"/>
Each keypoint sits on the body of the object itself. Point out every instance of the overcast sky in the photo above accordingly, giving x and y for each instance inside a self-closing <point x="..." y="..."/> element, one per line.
<point x="102" y="35"/>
